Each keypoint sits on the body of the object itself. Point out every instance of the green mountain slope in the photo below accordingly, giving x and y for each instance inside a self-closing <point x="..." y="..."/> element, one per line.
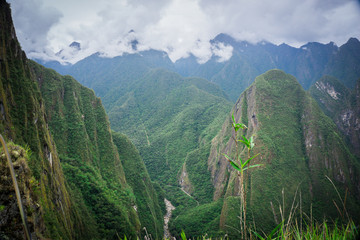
<point x="299" y="146"/>
<point x="167" y="116"/>
<point x="48" y="205"/>
<point x="103" y="74"/>
<point x="147" y="202"/>
<point x="91" y="162"/>
<point x="171" y="120"/>
<point x="342" y="105"/>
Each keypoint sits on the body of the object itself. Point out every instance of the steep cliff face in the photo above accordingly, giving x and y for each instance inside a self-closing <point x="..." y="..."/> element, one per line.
<point x="56" y="125"/>
<point x="342" y="105"/>
<point x="90" y="160"/>
<point x="299" y="147"/>
<point x="23" y="121"/>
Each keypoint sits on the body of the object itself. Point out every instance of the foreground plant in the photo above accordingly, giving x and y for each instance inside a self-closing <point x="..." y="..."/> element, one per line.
<point x="241" y="165"/>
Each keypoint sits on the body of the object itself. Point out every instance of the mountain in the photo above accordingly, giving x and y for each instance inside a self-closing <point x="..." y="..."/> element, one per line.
<point x="307" y="63"/>
<point x="171" y="120"/>
<point x="299" y="146"/>
<point x="149" y="200"/>
<point x="342" y="105"/>
<point x="70" y="175"/>
<point x="103" y="74"/>
<point x="23" y="124"/>
<point x="91" y="161"/>
<point x="167" y="117"/>
<point x="345" y="64"/>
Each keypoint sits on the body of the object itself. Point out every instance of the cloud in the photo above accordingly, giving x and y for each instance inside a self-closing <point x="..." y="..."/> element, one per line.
<point x="32" y="22"/>
<point x="179" y="27"/>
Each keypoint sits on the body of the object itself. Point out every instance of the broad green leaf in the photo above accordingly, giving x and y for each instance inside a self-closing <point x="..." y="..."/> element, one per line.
<point x="245" y="163"/>
<point x="183" y="236"/>
<point x="245" y="141"/>
<point x="252" y="166"/>
<point x="236" y="125"/>
<point x="233" y="164"/>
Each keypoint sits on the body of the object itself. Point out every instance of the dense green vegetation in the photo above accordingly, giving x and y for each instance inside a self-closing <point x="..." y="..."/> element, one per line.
<point x="147" y="202"/>
<point x="22" y="120"/>
<point x="342" y="105"/>
<point x="90" y="161"/>
<point x="198" y="221"/>
<point x="167" y="117"/>
<point x="92" y="165"/>
<point x="298" y="145"/>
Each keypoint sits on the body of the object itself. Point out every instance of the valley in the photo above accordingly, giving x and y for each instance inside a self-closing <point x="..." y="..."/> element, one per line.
<point x="133" y="146"/>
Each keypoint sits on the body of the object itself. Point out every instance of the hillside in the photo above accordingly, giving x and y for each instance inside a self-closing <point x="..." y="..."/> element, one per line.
<point x="342" y="105"/>
<point x="149" y="198"/>
<point x="167" y="117"/>
<point x="91" y="162"/>
<point x="299" y="146"/>
<point x="23" y="121"/>
<point x="71" y="178"/>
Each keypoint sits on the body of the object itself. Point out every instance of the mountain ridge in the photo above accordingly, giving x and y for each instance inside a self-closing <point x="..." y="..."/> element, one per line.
<point x="290" y="132"/>
<point x="307" y="63"/>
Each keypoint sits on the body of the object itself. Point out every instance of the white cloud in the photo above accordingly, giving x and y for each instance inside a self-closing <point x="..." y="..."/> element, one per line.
<point x="224" y="52"/>
<point x="179" y="27"/>
<point x="33" y="21"/>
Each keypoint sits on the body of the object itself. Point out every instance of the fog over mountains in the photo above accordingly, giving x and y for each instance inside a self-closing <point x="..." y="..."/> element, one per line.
<point x="233" y="73"/>
<point x="178" y="27"/>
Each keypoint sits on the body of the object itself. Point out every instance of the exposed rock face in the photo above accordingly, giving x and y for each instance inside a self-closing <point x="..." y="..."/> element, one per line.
<point x="169" y="209"/>
<point x="342" y="105"/>
<point x="223" y="143"/>
<point x="326" y="87"/>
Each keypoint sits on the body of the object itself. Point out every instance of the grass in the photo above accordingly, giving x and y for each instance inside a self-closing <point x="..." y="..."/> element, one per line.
<point x="311" y="231"/>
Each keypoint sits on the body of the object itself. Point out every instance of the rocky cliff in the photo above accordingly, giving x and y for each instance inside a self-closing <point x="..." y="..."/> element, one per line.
<point x="299" y="146"/>
<point x="342" y="105"/>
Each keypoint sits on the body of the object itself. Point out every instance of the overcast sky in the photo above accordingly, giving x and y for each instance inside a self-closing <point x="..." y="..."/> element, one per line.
<point x="178" y="27"/>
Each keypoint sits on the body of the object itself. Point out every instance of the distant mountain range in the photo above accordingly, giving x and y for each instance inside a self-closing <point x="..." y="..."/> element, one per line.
<point x="307" y="63"/>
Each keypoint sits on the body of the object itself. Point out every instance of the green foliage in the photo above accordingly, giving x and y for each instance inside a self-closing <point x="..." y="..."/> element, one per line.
<point x="22" y="119"/>
<point x="90" y="160"/>
<point x="298" y="146"/>
<point x="198" y="221"/>
<point x="199" y="176"/>
<point x="107" y="209"/>
<point x="146" y="198"/>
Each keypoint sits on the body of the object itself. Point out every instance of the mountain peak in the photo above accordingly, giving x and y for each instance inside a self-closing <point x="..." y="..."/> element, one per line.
<point x="75" y="45"/>
<point x="353" y="41"/>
